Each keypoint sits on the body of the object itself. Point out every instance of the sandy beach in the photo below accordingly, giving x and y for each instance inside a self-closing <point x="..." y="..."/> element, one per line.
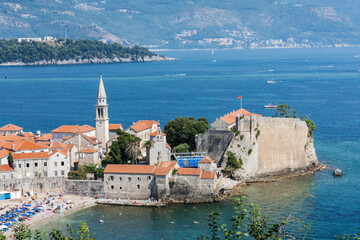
<point x="68" y="204"/>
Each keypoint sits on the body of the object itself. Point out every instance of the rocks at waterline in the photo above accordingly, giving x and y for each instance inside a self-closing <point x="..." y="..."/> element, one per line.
<point x="337" y="172"/>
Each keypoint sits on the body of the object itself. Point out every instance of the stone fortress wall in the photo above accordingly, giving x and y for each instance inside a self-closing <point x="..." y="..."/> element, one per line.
<point x="266" y="145"/>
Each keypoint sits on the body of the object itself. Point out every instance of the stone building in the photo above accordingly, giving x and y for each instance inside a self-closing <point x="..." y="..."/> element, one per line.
<point x="88" y="156"/>
<point x="129" y="181"/>
<point x="6" y="172"/>
<point x="113" y="127"/>
<point x="10" y="129"/>
<point x="143" y="129"/>
<point x="228" y="121"/>
<point x="160" y="150"/>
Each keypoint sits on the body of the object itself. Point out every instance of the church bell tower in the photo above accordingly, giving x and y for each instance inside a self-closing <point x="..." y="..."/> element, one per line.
<point x="102" y="118"/>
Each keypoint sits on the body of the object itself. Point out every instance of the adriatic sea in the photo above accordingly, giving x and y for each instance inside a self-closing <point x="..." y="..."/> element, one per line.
<point x="323" y="84"/>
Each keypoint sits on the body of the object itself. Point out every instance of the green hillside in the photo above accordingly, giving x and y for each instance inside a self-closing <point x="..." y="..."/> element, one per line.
<point x="32" y="51"/>
<point x="188" y="24"/>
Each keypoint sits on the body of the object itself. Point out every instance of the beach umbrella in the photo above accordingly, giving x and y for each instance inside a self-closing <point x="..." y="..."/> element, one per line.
<point x="18" y="211"/>
<point x="13" y="220"/>
<point x="3" y="226"/>
<point x="29" y="212"/>
<point x="7" y="224"/>
<point x="35" y="209"/>
<point x="39" y="206"/>
<point x="24" y="214"/>
<point x="2" y="220"/>
<point x="23" y="208"/>
<point x="13" y="214"/>
<point x="27" y="205"/>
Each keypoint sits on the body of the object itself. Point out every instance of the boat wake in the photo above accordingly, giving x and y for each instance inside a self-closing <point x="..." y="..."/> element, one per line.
<point x="175" y="75"/>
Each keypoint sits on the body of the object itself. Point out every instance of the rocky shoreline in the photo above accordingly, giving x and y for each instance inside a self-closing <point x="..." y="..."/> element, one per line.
<point x="154" y="58"/>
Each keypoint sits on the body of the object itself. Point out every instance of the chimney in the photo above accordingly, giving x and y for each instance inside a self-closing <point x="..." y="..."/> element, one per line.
<point x="12" y="146"/>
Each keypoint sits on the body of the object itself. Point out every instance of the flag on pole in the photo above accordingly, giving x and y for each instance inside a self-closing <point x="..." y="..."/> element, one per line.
<point x="239" y="97"/>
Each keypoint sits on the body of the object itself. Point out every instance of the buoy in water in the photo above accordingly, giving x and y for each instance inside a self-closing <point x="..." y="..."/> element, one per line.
<point x="101" y="220"/>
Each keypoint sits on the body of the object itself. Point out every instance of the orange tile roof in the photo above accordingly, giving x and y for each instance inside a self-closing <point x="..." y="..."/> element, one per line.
<point x="10" y="127"/>
<point x="207" y="175"/>
<point x="231" y="118"/>
<point x="34" y="155"/>
<point x="142" y="125"/>
<point x="115" y="126"/>
<point x="11" y="138"/>
<point x="58" y="145"/>
<point x="171" y="164"/>
<point x="28" y="134"/>
<point x="206" y="159"/>
<point x="63" y="152"/>
<point x="5" y="168"/>
<point x="88" y="150"/>
<point x="168" y="145"/>
<point x="86" y="128"/>
<point x="89" y="139"/>
<point x="162" y="171"/>
<point x="189" y="171"/>
<point x="23" y="145"/>
<point x="94" y="139"/>
<point x="155" y="133"/>
<point x="131" y="169"/>
<point x="4" y="153"/>
<point x="45" y="137"/>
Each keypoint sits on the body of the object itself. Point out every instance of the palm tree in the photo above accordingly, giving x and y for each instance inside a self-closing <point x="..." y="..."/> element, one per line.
<point x="133" y="149"/>
<point x="148" y="144"/>
<point x="91" y="168"/>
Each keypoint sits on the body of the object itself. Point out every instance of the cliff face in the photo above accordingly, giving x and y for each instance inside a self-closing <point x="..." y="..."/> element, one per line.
<point x="267" y="147"/>
<point x="91" y="61"/>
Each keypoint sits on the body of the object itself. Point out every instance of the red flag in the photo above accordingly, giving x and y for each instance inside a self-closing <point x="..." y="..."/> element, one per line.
<point x="239" y="97"/>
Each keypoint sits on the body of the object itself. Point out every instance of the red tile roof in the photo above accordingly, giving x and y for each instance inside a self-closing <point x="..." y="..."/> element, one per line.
<point x="206" y="159"/>
<point x="73" y="129"/>
<point x="168" y="145"/>
<point x="155" y="133"/>
<point x="88" y="150"/>
<point x="231" y="118"/>
<point x="189" y="171"/>
<point x="45" y="137"/>
<point x="4" y="153"/>
<point x="142" y="125"/>
<point x="162" y="171"/>
<point x="131" y="169"/>
<point x="115" y="126"/>
<point x="35" y="155"/>
<point x="10" y="127"/>
<point x="5" y="168"/>
<point x="207" y="175"/>
<point x="63" y="152"/>
<point x="86" y="128"/>
<point x="23" y="145"/>
<point x="171" y="164"/>
<point x="58" y="145"/>
<point x="11" y="138"/>
<point x="28" y="134"/>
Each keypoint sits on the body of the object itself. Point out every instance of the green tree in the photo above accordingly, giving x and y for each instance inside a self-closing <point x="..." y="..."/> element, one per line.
<point x="310" y="124"/>
<point x="23" y="232"/>
<point x="92" y="168"/>
<point x="183" y="130"/>
<point x="181" y="148"/>
<point x="285" y="111"/>
<point x="252" y="224"/>
<point x="232" y="160"/>
<point x="125" y="148"/>
<point x="10" y="160"/>
<point x="79" y="174"/>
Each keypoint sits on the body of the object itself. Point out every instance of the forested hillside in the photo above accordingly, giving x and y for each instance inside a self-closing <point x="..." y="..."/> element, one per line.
<point x="33" y="51"/>
<point x="188" y="23"/>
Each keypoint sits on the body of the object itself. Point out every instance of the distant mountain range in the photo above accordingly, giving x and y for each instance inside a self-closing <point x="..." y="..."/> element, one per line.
<point x="188" y="23"/>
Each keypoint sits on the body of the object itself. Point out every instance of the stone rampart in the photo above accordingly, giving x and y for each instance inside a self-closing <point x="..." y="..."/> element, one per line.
<point x="214" y="143"/>
<point x="84" y="187"/>
<point x="34" y="185"/>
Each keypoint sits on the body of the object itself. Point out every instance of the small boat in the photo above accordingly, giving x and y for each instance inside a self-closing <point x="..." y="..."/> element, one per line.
<point x="6" y="76"/>
<point x="270" y="81"/>
<point x="212" y="52"/>
<point x="270" y="106"/>
<point x="101" y="220"/>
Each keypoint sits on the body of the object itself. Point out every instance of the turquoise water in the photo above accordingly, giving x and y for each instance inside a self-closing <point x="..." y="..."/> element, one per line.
<point x="323" y="84"/>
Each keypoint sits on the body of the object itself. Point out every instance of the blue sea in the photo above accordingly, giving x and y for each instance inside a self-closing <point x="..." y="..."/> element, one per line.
<point x="323" y="84"/>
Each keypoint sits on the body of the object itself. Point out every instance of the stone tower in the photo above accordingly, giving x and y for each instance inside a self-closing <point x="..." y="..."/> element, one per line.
<point x="102" y="118"/>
